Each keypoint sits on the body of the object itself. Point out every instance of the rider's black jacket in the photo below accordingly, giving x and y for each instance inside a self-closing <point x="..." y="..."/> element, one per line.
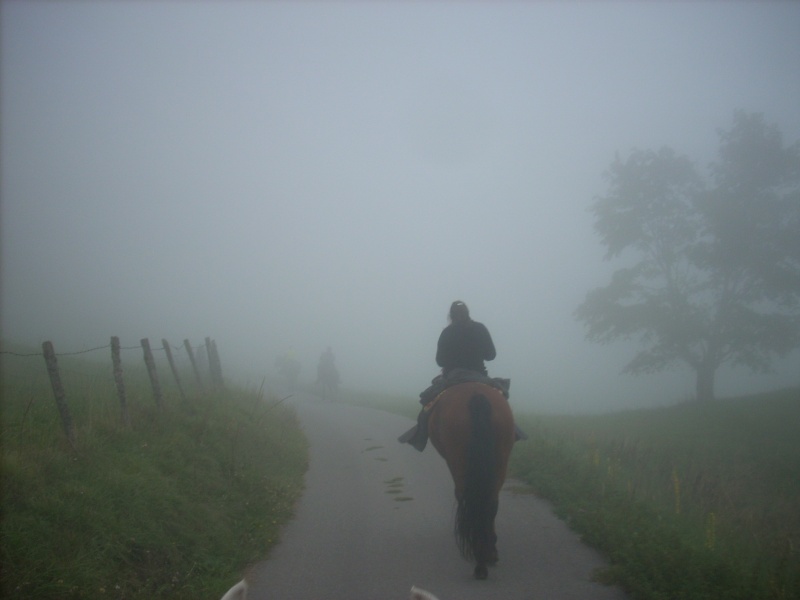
<point x="465" y="346"/>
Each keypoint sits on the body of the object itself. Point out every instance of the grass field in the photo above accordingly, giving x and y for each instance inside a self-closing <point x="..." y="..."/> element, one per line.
<point x="696" y="501"/>
<point x="693" y="502"/>
<point x="176" y="506"/>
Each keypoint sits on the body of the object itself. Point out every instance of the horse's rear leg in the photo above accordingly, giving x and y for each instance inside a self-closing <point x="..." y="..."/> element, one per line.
<point x="491" y="542"/>
<point x="482" y="558"/>
<point x="486" y="554"/>
<point x="493" y="557"/>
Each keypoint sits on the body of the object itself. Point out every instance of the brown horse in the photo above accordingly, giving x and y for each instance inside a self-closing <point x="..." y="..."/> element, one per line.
<point x="472" y="427"/>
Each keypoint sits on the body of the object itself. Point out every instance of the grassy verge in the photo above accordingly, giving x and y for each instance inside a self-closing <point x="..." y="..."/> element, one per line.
<point x="695" y="501"/>
<point x="177" y="505"/>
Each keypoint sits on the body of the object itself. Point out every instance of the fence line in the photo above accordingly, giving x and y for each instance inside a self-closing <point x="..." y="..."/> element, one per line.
<point x="173" y="368"/>
<point x="118" y="380"/>
<point x="58" y="392"/>
<point x="25" y="354"/>
<point x="194" y="363"/>
<point x="152" y="373"/>
<point x="60" y="396"/>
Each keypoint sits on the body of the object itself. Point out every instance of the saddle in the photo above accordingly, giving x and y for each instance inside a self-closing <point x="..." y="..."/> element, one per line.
<point x="417" y="436"/>
<point x="456" y="376"/>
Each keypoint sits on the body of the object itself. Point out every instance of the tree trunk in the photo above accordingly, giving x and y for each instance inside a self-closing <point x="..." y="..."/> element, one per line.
<point x="705" y="382"/>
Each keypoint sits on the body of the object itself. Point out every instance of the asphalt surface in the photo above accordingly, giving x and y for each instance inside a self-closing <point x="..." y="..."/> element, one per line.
<point x="376" y="518"/>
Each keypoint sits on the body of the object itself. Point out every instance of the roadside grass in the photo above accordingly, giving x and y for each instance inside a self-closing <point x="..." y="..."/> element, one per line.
<point x="176" y="506"/>
<point x="696" y="501"/>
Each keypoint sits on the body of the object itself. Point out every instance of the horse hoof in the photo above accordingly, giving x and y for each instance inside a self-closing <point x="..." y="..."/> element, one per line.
<point x="481" y="572"/>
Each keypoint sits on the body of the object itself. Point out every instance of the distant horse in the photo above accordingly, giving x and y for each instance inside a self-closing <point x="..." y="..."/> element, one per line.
<point x="472" y="428"/>
<point x="328" y="380"/>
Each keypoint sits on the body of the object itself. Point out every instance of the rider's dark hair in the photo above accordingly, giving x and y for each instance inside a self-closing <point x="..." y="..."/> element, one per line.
<point x="459" y="313"/>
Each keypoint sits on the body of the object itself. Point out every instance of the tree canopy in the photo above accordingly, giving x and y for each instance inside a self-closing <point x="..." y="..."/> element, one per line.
<point x="712" y="271"/>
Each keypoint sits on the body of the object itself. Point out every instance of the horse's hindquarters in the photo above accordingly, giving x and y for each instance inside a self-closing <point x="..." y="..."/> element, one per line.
<point x="472" y="428"/>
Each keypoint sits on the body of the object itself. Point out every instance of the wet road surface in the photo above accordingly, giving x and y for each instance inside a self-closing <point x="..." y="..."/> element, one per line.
<point x="376" y="518"/>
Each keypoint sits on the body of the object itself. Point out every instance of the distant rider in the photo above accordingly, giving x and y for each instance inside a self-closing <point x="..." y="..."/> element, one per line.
<point x="326" y="369"/>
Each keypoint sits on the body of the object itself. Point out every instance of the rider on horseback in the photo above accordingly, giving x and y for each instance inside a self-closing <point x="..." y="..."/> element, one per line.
<point x="463" y="346"/>
<point x="327" y="375"/>
<point x="464" y="343"/>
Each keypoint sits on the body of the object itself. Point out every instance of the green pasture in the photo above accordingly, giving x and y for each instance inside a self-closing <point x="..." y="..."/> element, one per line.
<point x="694" y="501"/>
<point x="176" y="506"/>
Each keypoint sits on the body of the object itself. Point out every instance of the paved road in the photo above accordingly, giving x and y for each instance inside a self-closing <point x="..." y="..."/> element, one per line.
<point x="377" y="517"/>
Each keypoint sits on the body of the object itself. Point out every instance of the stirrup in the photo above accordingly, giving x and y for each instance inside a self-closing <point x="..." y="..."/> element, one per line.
<point x="408" y="435"/>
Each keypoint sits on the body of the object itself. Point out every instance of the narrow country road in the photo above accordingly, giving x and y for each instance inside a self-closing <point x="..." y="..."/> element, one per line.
<point x="377" y="517"/>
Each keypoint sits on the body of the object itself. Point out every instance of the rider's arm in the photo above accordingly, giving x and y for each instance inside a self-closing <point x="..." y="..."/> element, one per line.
<point x="444" y="356"/>
<point x="488" y="350"/>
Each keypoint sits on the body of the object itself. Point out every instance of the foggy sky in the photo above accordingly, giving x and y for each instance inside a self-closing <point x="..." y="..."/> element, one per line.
<point x="300" y="175"/>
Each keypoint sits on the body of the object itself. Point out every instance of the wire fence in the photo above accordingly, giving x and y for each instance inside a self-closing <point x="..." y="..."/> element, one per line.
<point x="212" y="380"/>
<point x="87" y="351"/>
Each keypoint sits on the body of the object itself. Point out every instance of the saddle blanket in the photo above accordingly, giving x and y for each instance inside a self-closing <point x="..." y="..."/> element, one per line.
<point x="440" y="383"/>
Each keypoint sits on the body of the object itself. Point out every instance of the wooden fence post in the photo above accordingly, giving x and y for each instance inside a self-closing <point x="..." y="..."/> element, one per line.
<point x="214" y="365"/>
<point x="190" y="352"/>
<point x="172" y="367"/>
<point x="211" y="374"/>
<point x="151" y="371"/>
<point x="116" y="361"/>
<point x="58" y="391"/>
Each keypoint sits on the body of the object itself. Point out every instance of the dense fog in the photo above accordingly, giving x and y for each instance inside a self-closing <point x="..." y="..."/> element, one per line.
<point x="284" y="177"/>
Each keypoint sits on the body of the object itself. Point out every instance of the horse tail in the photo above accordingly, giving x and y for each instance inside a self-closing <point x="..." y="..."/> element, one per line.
<point x="477" y="505"/>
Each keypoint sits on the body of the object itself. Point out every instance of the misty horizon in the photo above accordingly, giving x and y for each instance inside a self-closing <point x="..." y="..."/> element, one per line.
<point x="292" y="176"/>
